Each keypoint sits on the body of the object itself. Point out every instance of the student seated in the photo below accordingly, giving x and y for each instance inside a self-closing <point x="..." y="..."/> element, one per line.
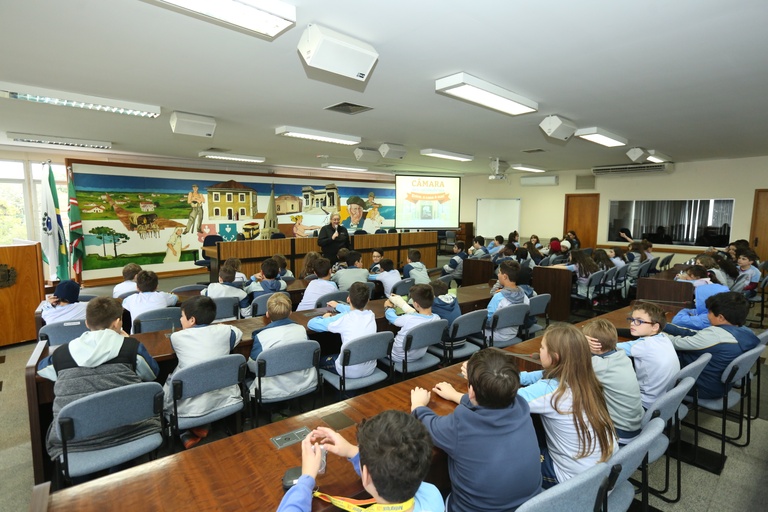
<point x="422" y="296"/>
<point x="495" y="245"/>
<point x="478" y="249"/>
<point x="614" y="371"/>
<point x="415" y="268"/>
<point x="455" y="266"/>
<point x="388" y="276"/>
<point x="101" y="359"/>
<point x="493" y="456"/>
<point x="746" y="261"/>
<point x="376" y="256"/>
<point x="726" y="339"/>
<point x="282" y="263"/>
<point x="201" y="340"/>
<point x="265" y="281"/>
<point x="281" y="330"/>
<point x="308" y="266"/>
<point x="583" y="266"/>
<point x="341" y="260"/>
<point x="148" y="297"/>
<point x="654" y="356"/>
<point x="508" y="295"/>
<point x="353" y="273"/>
<point x="235" y="263"/>
<point x="445" y="305"/>
<point x="689" y="320"/>
<point x="392" y="459"/>
<point x="318" y="287"/>
<point x="130" y="271"/>
<point x="354" y="321"/>
<point x="64" y="304"/>
<point x="227" y="287"/>
<point x="568" y="397"/>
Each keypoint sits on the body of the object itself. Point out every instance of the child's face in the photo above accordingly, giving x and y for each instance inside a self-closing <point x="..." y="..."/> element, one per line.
<point x="476" y="245"/>
<point x="186" y="323"/>
<point x="546" y="359"/>
<point x="646" y="327"/>
<point x="611" y="253"/>
<point x="359" y="263"/>
<point x="376" y="256"/>
<point x="456" y="249"/>
<point x="743" y="262"/>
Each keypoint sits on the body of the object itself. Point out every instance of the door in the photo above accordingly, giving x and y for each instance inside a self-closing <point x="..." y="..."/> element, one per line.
<point x="581" y="212"/>
<point x="758" y="233"/>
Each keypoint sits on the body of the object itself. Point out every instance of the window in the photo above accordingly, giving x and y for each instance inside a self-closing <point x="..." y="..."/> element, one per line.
<point x="241" y="197"/>
<point x="230" y="197"/>
<point x="700" y="222"/>
<point x="216" y="212"/>
<point x="216" y="197"/>
<point x="242" y="212"/>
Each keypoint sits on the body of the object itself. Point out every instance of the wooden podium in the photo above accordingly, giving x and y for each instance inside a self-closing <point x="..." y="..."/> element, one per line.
<point x="21" y="290"/>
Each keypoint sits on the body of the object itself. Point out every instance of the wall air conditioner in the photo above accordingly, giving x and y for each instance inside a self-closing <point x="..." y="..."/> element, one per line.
<point x="538" y="181"/>
<point x="619" y="170"/>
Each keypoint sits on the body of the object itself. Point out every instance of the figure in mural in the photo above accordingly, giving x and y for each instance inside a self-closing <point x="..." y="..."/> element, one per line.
<point x="356" y="219"/>
<point x="173" y="253"/>
<point x="371" y="202"/>
<point x="146" y="224"/>
<point x="299" y="229"/>
<point x="196" y="200"/>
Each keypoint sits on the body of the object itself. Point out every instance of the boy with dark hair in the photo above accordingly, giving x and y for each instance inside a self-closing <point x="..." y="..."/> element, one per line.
<point x="506" y="296"/>
<point x="101" y="359"/>
<point x="455" y="266"/>
<point x="392" y="459"/>
<point x="265" y="281"/>
<point x="388" y="276"/>
<point x="281" y="330"/>
<point x="130" y="271"/>
<point x="493" y="456"/>
<point x="201" y="340"/>
<point x="318" y="287"/>
<point x="478" y="248"/>
<point x="496" y="245"/>
<point x="353" y="273"/>
<point x="689" y="320"/>
<point x="654" y="356"/>
<point x="444" y="305"/>
<point x="354" y="321"/>
<point x="282" y="264"/>
<point x="746" y="259"/>
<point x="148" y="297"/>
<point x="422" y="296"/>
<point x="415" y="268"/>
<point x="227" y="287"/>
<point x="341" y="260"/>
<point x="726" y="339"/>
<point x="64" y="304"/>
<point x="615" y="372"/>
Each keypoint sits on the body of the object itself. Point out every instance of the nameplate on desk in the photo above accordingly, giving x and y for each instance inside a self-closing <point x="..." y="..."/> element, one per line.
<point x="289" y="438"/>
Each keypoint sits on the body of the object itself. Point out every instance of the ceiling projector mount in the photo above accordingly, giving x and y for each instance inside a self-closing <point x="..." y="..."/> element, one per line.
<point x="499" y="167"/>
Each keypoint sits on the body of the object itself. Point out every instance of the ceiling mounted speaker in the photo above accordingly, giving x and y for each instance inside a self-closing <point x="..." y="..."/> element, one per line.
<point x="558" y="127"/>
<point x="331" y="51"/>
<point x="367" y="155"/>
<point x="192" y="124"/>
<point x="394" y="151"/>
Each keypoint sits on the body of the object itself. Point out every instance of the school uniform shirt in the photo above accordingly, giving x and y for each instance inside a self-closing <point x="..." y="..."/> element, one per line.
<point x="656" y="364"/>
<point x="618" y="262"/>
<point x="697" y="318"/>
<point x="406" y="323"/>
<point x="199" y="344"/>
<point x="622" y="392"/>
<point x="417" y="271"/>
<point x="350" y="324"/>
<point x="455" y="266"/>
<point x="64" y="312"/>
<point x="240" y="277"/>
<point x="264" y="287"/>
<point x="581" y="281"/>
<point x="388" y="280"/>
<point x="562" y="436"/>
<point x="503" y="298"/>
<point x="346" y="277"/>
<point x="216" y="290"/>
<point x="142" y="302"/>
<point x="280" y="332"/>
<point x="316" y="289"/>
<point x="124" y="287"/>
<point x="481" y="252"/>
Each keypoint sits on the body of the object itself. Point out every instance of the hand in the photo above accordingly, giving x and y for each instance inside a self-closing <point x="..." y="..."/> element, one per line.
<point x="334" y="442"/>
<point x="327" y="315"/>
<point x="388" y="304"/>
<point x="311" y="457"/>
<point x="335" y="235"/>
<point x="445" y="390"/>
<point x="464" y="369"/>
<point x="53" y="300"/>
<point x="332" y="304"/>
<point x="594" y="345"/>
<point x="420" y="398"/>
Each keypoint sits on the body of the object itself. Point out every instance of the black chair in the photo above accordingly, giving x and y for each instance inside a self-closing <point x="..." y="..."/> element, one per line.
<point x="208" y="241"/>
<point x="277" y="235"/>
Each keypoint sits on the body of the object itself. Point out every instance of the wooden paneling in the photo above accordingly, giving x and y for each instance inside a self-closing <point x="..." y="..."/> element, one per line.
<point x="466" y="233"/>
<point x="424" y="241"/>
<point x="17" y="302"/>
<point x="478" y="271"/>
<point x="365" y="244"/>
<point x="557" y="282"/>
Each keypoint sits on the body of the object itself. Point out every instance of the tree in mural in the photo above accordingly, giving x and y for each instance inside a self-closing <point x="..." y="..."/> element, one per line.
<point x="117" y="239"/>
<point x="109" y="236"/>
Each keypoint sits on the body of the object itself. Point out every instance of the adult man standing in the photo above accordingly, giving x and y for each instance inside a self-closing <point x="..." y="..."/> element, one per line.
<point x="196" y="200"/>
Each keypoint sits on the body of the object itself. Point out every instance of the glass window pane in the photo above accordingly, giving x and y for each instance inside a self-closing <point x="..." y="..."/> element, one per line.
<point x="12" y="221"/>
<point x="11" y="170"/>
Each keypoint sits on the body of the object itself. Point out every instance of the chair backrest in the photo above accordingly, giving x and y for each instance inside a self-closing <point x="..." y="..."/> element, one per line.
<point x="360" y="232"/>
<point x="538" y="304"/>
<point x="545" y="261"/>
<point x="210" y="375"/>
<point x="323" y="300"/>
<point x="367" y="348"/>
<point x="446" y="279"/>
<point x="391" y="230"/>
<point x="763" y="338"/>
<point x="621" y="274"/>
<point x="642" y="271"/>
<point x="380" y="231"/>
<point x="227" y="307"/>
<point x="259" y="304"/>
<point x="209" y="241"/>
<point x="509" y="316"/>
<point x="426" y="334"/>
<point x="189" y="288"/>
<point x="85" y="297"/>
<point x="371" y="287"/>
<point x="288" y="357"/>
<point x="665" y="261"/>
<point x="123" y="296"/>
<point x="668" y="403"/>
<point x="158" y="320"/>
<point x="277" y="235"/>
<point x="740" y="366"/>
<point x="653" y="264"/>
<point x="595" y="278"/>
<point x="468" y="323"/>
<point x="631" y="455"/>
<point x="403" y="287"/>
<point x="58" y="333"/>
<point x="609" y="276"/>
<point x="741" y="282"/>
<point x="450" y="237"/>
<point x="578" y="493"/>
<point x="692" y="370"/>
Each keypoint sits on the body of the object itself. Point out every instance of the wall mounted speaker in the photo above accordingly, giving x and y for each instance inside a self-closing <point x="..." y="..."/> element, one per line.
<point x="331" y="51"/>
<point x="395" y="151"/>
<point x="558" y="127"/>
<point x="192" y="124"/>
<point x="367" y="155"/>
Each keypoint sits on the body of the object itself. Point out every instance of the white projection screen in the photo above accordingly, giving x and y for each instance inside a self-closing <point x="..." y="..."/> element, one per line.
<point x="427" y="202"/>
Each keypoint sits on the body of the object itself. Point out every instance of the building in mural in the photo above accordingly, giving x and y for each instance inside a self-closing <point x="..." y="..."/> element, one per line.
<point x="323" y="200"/>
<point x="286" y="204"/>
<point x="231" y="200"/>
<point x="270" y="218"/>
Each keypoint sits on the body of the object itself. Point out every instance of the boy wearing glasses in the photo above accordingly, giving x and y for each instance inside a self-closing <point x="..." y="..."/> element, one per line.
<point x="656" y="362"/>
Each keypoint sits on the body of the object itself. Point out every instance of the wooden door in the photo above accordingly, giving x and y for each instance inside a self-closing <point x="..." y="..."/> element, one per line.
<point x="758" y="233"/>
<point x="581" y="216"/>
<point x="21" y="276"/>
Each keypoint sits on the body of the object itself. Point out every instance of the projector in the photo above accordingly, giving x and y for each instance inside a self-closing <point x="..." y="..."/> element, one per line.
<point x="497" y="177"/>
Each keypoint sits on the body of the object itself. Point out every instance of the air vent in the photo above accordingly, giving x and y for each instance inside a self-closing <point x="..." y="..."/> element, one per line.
<point x="534" y="150"/>
<point x="585" y="183"/>
<point x="617" y="170"/>
<point x="348" y="108"/>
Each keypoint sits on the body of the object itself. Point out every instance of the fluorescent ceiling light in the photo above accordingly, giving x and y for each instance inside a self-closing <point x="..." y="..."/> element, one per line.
<point x="69" y="99"/>
<point x="656" y="157"/>
<point x="439" y="153"/>
<point x="340" y="167"/>
<point x="474" y="90"/>
<point x="218" y="155"/>
<point x="266" y="17"/>
<point x="306" y="133"/>
<point x="637" y="154"/>
<point x="600" y="136"/>
<point x="527" y="168"/>
<point x="32" y="138"/>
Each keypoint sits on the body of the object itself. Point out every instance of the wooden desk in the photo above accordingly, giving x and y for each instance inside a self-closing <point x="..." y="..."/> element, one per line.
<point x="663" y="288"/>
<point x="477" y="271"/>
<point x="557" y="282"/>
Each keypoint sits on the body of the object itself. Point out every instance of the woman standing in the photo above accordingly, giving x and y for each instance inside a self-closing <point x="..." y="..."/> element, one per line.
<point x="333" y="237"/>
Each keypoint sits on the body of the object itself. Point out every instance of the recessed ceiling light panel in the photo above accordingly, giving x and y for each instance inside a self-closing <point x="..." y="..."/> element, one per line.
<point x="317" y="135"/>
<point x="480" y="92"/>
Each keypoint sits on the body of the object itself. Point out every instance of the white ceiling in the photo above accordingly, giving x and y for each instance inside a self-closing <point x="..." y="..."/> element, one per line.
<point x="688" y="78"/>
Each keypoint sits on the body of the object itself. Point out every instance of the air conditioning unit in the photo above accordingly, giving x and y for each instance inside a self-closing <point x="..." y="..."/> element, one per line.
<point x="618" y="170"/>
<point x="538" y="181"/>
